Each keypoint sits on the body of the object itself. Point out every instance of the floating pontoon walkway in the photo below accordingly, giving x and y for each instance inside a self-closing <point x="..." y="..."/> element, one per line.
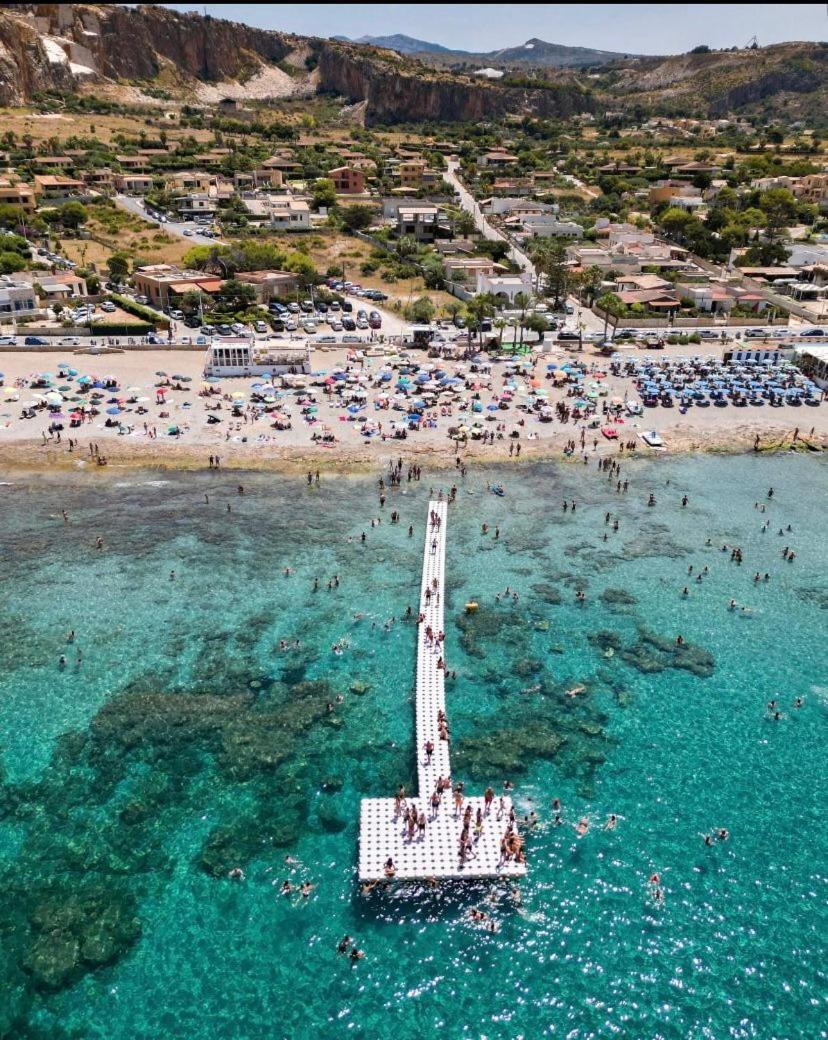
<point x="383" y="833"/>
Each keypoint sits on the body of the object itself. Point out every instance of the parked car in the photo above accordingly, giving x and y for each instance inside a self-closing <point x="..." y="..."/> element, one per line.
<point x="362" y="323"/>
<point x="108" y="306"/>
<point x="347" y="306"/>
<point x="755" y="334"/>
<point x="261" y="326"/>
<point x="348" y="324"/>
<point x="177" y="315"/>
<point x="375" y="322"/>
<point x="336" y="325"/>
<point x="813" y="332"/>
<point x="294" y="308"/>
<point x="7" y="341"/>
<point x="278" y="324"/>
<point x="141" y="299"/>
<point x="208" y="330"/>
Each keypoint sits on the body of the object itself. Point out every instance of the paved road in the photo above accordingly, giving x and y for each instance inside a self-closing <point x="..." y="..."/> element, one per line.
<point x="134" y="205"/>
<point x="469" y="204"/>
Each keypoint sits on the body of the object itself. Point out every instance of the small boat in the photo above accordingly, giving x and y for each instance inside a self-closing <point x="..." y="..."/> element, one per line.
<point x="610" y="433"/>
<point x="498" y="489"/>
<point x="652" y="439"/>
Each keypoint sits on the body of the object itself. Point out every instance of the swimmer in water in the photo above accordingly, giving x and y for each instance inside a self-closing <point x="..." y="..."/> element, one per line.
<point x="582" y="827"/>
<point x="286" y="888"/>
<point x="343" y="944"/>
<point x="612" y="822"/>
<point x="575" y="691"/>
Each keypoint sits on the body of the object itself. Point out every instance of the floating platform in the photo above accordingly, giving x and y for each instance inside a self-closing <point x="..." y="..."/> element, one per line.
<point x="382" y="831"/>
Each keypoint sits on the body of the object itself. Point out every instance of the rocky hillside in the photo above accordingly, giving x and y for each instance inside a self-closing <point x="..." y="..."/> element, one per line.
<point x="784" y="79"/>
<point x="199" y="59"/>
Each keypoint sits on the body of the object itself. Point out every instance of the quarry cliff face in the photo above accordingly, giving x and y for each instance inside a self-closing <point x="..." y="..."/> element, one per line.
<point x="50" y="46"/>
<point x="395" y="95"/>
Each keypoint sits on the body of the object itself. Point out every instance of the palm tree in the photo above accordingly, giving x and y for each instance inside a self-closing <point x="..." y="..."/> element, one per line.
<point x="521" y="302"/>
<point x="500" y="324"/>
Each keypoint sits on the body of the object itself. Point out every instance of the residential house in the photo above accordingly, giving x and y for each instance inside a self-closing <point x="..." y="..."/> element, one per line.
<point x="18" y="194"/>
<point x="418" y="222"/>
<point x="347" y="180"/>
<point x="190" y="180"/>
<point x="55" y="187"/>
<point x="653" y="299"/>
<point x="411" y="173"/>
<point x="546" y="225"/>
<point x="53" y="162"/>
<point x="466" y="268"/>
<point x="196" y="204"/>
<point x="133" y="183"/>
<point x="813" y="187"/>
<point x="131" y="162"/>
<point x="687" y="201"/>
<point x="497" y="158"/>
<point x="101" y="179"/>
<point x="270" y="285"/>
<point x="665" y="190"/>
<point x="63" y="285"/>
<point x="283" y="212"/>
<point x="646" y="282"/>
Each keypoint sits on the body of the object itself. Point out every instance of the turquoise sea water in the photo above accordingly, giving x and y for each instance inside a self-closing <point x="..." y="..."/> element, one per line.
<point x="186" y="743"/>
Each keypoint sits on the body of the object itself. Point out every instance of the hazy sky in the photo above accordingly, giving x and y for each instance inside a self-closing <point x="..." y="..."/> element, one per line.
<point x="632" y="28"/>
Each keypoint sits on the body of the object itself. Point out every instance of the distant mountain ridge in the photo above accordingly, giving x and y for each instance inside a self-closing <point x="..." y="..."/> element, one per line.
<point x="534" y="53"/>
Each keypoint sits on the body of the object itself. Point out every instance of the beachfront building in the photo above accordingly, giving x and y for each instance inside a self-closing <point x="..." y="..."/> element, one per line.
<point x="161" y="283"/>
<point x="17" y="297"/>
<point x="241" y="356"/>
<point x="505" y="287"/>
<point x="813" y="362"/>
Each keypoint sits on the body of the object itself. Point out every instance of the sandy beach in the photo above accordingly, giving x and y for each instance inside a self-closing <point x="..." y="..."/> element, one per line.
<point x="246" y="442"/>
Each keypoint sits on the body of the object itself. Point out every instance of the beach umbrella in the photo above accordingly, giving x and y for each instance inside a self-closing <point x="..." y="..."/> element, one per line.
<point x="53" y="398"/>
<point x="114" y="410"/>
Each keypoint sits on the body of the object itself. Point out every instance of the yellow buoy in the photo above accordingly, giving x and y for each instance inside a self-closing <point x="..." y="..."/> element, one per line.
<point x="471" y="607"/>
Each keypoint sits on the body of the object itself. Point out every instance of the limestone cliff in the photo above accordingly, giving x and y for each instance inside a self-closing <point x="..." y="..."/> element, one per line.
<point x="398" y="91"/>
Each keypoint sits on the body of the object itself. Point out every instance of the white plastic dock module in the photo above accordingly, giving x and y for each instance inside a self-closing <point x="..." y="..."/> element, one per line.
<point x="382" y="831"/>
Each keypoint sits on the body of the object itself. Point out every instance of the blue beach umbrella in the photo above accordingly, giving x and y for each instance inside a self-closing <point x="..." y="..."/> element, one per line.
<point x="113" y="411"/>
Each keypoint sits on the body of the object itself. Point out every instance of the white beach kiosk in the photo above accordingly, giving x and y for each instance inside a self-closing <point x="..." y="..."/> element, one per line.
<point x="243" y="356"/>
